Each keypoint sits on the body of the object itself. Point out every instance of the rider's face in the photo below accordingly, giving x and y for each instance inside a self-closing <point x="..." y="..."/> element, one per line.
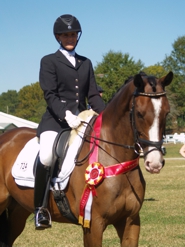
<point x="68" y="40"/>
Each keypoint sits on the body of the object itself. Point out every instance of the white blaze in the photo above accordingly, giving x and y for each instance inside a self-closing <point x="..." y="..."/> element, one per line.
<point x="154" y="130"/>
<point x="153" y="161"/>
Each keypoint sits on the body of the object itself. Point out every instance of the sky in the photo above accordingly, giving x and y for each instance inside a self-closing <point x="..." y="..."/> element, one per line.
<point x="144" y="29"/>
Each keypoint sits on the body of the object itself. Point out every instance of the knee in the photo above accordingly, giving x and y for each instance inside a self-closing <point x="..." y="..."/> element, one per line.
<point x="46" y="158"/>
<point x="47" y="139"/>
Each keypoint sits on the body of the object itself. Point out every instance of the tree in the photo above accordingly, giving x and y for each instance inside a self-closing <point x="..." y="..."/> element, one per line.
<point x="155" y="70"/>
<point x="114" y="70"/>
<point x="9" y="102"/>
<point x="30" y="98"/>
<point x="176" y="60"/>
<point x="41" y="108"/>
<point x="176" y="63"/>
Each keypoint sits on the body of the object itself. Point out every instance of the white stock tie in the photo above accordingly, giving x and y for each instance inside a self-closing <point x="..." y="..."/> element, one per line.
<point x="70" y="55"/>
<point x="71" y="59"/>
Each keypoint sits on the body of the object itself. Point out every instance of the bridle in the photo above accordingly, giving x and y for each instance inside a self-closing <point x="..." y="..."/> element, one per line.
<point x="137" y="140"/>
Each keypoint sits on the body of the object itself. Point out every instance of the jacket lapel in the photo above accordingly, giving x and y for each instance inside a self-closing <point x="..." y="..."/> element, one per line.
<point x="64" y="60"/>
<point x="79" y="61"/>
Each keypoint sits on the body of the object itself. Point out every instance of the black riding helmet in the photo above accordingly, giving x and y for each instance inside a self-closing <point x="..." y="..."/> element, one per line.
<point x="66" y="24"/>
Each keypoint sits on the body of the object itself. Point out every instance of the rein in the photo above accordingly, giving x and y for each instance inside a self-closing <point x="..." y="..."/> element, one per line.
<point x="94" y="144"/>
<point x="112" y="143"/>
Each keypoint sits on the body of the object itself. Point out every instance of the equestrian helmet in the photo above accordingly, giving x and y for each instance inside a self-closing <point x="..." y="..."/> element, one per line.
<point x="66" y="24"/>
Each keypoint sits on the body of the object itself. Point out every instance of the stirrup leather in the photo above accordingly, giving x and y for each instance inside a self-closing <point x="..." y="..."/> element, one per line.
<point x="44" y="212"/>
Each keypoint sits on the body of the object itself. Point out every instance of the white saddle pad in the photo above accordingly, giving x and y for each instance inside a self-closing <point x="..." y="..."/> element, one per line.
<point x="22" y="169"/>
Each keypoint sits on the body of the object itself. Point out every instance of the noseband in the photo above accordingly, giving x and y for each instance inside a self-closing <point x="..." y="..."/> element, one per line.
<point x="137" y="140"/>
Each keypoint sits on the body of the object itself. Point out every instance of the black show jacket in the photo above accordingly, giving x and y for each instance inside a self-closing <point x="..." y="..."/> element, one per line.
<point x="66" y="87"/>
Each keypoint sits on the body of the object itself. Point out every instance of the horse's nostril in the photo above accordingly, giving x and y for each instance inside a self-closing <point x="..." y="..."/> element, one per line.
<point x="163" y="163"/>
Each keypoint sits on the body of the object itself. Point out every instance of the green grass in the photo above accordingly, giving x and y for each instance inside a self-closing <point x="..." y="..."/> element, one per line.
<point x="172" y="150"/>
<point x="162" y="214"/>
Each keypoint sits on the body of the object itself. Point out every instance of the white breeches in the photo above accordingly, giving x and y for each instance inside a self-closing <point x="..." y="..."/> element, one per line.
<point x="47" y="139"/>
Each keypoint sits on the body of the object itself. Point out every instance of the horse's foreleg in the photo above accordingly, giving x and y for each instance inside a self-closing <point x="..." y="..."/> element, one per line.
<point x="17" y="216"/>
<point x="3" y="229"/>
<point x="93" y="237"/>
<point x="128" y="231"/>
<point x="5" y="200"/>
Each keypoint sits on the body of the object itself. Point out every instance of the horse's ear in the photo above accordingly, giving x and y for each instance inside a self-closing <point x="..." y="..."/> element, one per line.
<point x="166" y="80"/>
<point x="138" y="81"/>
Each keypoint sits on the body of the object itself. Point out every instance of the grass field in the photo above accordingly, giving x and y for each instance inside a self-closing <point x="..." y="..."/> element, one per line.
<point x="162" y="214"/>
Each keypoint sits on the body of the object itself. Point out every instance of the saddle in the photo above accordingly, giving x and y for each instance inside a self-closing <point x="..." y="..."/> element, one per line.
<point x="60" y="148"/>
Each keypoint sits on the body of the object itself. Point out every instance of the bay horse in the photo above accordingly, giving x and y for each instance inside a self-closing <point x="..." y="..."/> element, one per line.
<point x="135" y="117"/>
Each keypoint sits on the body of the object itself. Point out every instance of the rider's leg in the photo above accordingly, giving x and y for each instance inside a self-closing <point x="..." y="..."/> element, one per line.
<point x="42" y="178"/>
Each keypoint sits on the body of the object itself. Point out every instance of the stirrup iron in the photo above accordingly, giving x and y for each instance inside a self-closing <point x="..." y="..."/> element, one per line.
<point x="42" y="211"/>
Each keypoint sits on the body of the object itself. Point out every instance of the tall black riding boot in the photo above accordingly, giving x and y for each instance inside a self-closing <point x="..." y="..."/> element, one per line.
<point x="41" y="192"/>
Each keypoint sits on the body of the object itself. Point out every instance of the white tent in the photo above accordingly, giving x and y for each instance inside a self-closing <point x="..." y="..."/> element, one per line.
<point x="8" y="122"/>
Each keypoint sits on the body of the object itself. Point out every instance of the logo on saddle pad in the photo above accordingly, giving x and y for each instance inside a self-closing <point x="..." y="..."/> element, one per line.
<point x="24" y="166"/>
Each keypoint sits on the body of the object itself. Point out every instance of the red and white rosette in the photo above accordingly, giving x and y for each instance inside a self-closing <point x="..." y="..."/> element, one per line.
<point x="94" y="173"/>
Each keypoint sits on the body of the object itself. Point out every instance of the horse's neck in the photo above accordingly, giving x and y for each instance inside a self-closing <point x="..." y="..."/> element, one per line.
<point x="116" y="123"/>
<point x="119" y="108"/>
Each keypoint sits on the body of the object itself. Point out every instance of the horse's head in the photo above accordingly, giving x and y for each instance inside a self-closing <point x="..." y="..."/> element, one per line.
<point x="148" y="115"/>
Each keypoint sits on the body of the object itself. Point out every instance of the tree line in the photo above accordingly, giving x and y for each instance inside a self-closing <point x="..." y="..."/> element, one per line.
<point x="110" y="73"/>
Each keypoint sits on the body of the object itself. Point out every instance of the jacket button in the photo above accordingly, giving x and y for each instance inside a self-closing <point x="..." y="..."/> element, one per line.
<point x="76" y="100"/>
<point x="76" y="80"/>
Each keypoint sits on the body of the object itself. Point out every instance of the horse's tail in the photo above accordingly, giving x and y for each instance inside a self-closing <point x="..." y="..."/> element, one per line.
<point x="3" y="229"/>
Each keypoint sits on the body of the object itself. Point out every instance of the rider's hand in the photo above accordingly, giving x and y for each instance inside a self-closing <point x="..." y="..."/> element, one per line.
<point x="72" y="120"/>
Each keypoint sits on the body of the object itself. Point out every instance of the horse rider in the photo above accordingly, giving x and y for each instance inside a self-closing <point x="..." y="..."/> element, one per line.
<point x="68" y="82"/>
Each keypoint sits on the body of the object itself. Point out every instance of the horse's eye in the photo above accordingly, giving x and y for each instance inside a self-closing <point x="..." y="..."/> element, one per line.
<point x="139" y="115"/>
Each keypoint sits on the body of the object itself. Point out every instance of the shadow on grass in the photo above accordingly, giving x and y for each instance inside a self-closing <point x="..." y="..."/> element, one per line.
<point x="150" y="199"/>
